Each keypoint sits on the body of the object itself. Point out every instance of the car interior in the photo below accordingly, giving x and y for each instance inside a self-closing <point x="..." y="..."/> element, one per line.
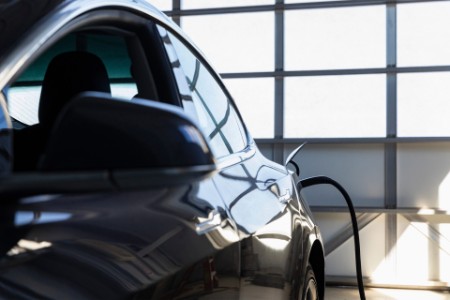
<point x="103" y="59"/>
<point x="67" y="75"/>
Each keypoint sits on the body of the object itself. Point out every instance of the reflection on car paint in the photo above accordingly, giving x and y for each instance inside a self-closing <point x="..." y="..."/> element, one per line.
<point x="241" y="232"/>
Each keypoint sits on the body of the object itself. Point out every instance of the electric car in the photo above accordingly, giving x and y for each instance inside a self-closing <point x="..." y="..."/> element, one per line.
<point x="127" y="170"/>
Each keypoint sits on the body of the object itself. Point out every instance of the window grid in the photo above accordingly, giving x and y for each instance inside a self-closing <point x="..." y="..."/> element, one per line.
<point x="391" y="141"/>
<point x="391" y="70"/>
<point x="278" y="74"/>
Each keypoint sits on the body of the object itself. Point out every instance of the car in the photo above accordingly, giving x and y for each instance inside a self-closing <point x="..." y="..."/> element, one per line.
<point x="127" y="171"/>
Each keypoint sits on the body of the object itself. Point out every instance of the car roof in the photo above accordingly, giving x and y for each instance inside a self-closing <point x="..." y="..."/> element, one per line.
<point x="22" y="23"/>
<point x="18" y="16"/>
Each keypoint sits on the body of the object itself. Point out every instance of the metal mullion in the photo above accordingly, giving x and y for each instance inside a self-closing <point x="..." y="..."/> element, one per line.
<point x="305" y="73"/>
<point x="280" y="6"/>
<point x="376" y="140"/>
<point x="331" y="72"/>
<point x="334" y="4"/>
<point x="424" y="69"/>
<point x="225" y="10"/>
<point x="415" y="1"/>
<point x="278" y="149"/>
<point x="390" y="196"/>
<point x="349" y="3"/>
<point x="176" y="12"/>
<point x="391" y="107"/>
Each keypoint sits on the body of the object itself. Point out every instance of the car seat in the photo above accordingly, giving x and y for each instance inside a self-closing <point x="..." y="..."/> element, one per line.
<point x="67" y="75"/>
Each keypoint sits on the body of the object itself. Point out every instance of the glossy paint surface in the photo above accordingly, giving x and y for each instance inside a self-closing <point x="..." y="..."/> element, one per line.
<point x="241" y="232"/>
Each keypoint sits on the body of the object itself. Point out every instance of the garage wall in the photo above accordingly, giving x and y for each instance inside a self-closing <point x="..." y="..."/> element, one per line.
<point x="403" y="246"/>
<point x="365" y="84"/>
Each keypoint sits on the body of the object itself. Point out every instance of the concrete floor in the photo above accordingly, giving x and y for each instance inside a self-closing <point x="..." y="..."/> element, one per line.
<point x="338" y="293"/>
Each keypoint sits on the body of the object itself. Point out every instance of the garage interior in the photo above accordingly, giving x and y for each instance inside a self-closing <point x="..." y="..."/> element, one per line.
<point x="365" y="84"/>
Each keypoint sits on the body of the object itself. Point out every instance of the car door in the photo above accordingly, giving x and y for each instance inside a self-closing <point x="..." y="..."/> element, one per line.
<point x="259" y="194"/>
<point x="107" y="243"/>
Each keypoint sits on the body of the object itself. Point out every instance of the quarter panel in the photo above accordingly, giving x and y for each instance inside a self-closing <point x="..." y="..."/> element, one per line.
<point x="261" y="198"/>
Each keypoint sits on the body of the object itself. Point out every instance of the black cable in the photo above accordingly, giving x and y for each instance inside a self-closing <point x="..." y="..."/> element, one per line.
<point x="326" y="180"/>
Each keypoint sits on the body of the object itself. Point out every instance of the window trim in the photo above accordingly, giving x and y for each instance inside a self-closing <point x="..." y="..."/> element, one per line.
<point x="196" y="52"/>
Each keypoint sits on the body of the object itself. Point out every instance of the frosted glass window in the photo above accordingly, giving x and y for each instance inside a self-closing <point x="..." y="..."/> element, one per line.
<point x="335" y="38"/>
<point x="255" y="100"/>
<point x="191" y="4"/>
<point x="234" y="42"/>
<point x="161" y="4"/>
<point x="423" y="104"/>
<point x="23" y="104"/>
<point x="335" y="106"/>
<point x="423" y="175"/>
<point x="423" y="34"/>
<point x="124" y="90"/>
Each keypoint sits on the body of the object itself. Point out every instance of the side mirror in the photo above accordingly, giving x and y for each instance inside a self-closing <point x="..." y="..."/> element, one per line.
<point x="97" y="132"/>
<point x="100" y="143"/>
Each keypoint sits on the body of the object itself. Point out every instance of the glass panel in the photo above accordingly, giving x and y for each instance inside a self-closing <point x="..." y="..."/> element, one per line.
<point x="336" y="38"/>
<point x="255" y="100"/>
<point x="335" y="106"/>
<point x="423" y="106"/>
<point x="358" y="167"/>
<point x="36" y="71"/>
<point x="423" y="175"/>
<point x="112" y="50"/>
<point x="423" y="34"/>
<point x="234" y="42"/>
<point x="191" y="4"/>
<point x="23" y="104"/>
<point x="124" y="90"/>
<point x="161" y="4"/>
<point x="204" y="99"/>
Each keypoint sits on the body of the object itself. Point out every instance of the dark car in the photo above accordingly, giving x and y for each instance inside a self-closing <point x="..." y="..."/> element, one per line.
<point x="127" y="171"/>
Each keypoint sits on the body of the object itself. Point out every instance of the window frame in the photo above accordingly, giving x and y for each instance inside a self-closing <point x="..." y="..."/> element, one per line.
<point x="248" y="149"/>
<point x="129" y="40"/>
<point x="128" y="23"/>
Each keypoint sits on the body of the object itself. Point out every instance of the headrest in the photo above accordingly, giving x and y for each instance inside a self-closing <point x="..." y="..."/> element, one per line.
<point x="67" y="75"/>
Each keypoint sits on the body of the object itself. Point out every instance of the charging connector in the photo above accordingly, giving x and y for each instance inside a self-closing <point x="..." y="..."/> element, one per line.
<point x="312" y="181"/>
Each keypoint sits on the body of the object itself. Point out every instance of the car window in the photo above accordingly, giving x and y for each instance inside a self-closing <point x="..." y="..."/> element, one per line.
<point x="24" y="93"/>
<point x="99" y="59"/>
<point x="204" y="98"/>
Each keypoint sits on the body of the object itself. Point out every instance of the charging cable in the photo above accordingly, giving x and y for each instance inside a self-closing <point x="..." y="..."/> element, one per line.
<point x="312" y="181"/>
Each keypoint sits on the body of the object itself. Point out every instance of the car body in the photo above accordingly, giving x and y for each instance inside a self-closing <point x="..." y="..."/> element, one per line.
<point x="150" y="189"/>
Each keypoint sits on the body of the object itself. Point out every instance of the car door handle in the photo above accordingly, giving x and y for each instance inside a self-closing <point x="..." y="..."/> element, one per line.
<point x="285" y="198"/>
<point x="205" y="225"/>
